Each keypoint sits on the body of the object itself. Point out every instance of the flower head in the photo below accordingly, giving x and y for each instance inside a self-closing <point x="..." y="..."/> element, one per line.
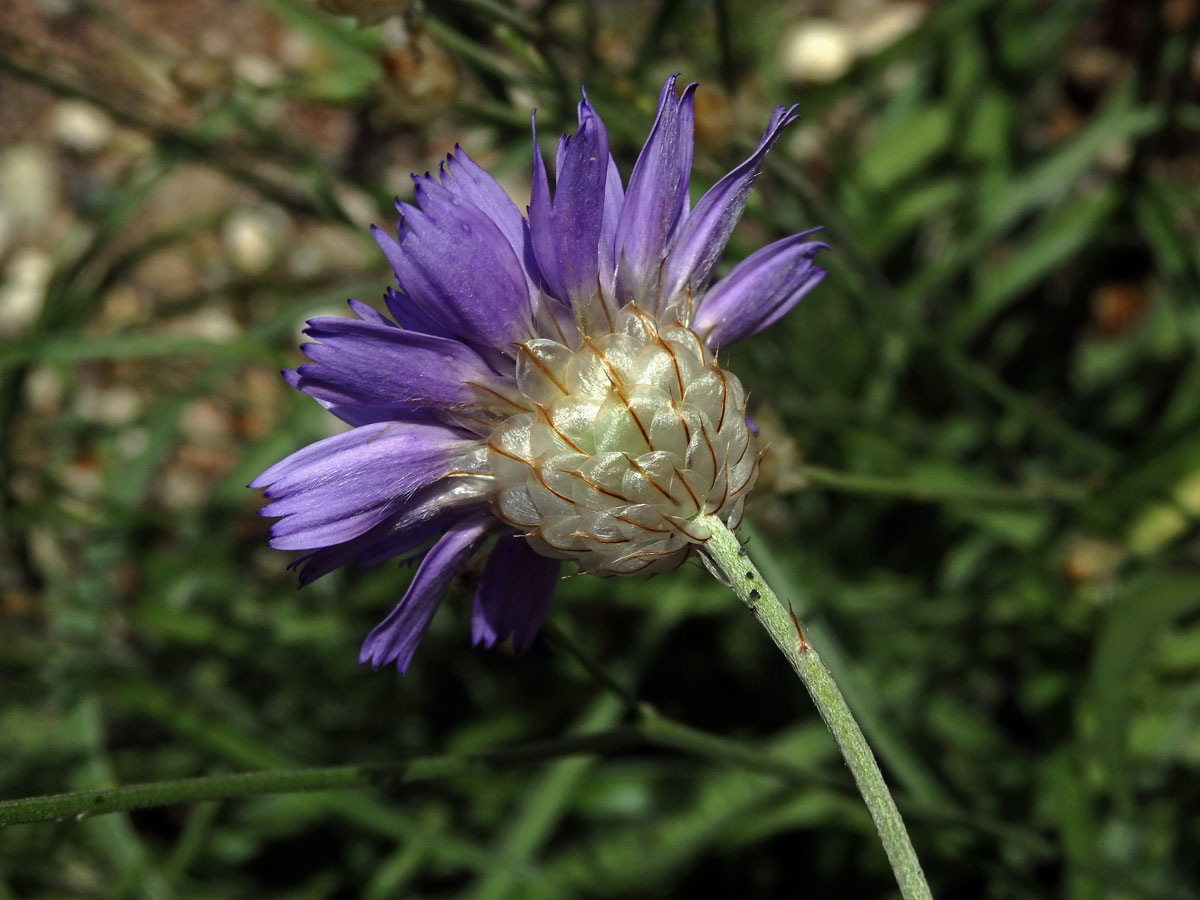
<point x="549" y="381"/>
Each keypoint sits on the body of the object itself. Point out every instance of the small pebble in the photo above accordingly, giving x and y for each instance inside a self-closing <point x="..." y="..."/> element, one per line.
<point x="817" y="50"/>
<point x="182" y="490"/>
<point x="82" y="479"/>
<point x="81" y="127"/>
<point x="29" y="187"/>
<point x="357" y="204"/>
<point x="44" y="390"/>
<point x="205" y="422"/>
<point x="254" y="238"/>
<point x="132" y="441"/>
<point x="23" y="290"/>
<point x="114" y="406"/>
<point x="257" y="70"/>
<point x="885" y="24"/>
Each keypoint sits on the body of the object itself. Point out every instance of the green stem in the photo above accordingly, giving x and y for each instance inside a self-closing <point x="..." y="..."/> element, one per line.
<point x="729" y="560"/>
<point x="83" y="804"/>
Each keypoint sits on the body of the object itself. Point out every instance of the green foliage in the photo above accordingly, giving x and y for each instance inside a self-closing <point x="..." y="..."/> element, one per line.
<point x="988" y="416"/>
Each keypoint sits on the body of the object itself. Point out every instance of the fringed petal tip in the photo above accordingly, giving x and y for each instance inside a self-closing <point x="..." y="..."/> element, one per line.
<point x="565" y="230"/>
<point x="458" y="266"/>
<point x="656" y="197"/>
<point x="342" y="486"/>
<point x="759" y="290"/>
<point x="706" y="230"/>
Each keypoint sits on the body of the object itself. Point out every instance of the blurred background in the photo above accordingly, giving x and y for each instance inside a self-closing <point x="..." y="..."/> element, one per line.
<point x="982" y="489"/>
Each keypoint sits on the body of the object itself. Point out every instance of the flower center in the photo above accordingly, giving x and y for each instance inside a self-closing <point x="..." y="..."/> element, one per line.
<point x="627" y="439"/>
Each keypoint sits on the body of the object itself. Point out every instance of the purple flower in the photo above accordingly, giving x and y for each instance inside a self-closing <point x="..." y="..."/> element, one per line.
<point x="547" y="383"/>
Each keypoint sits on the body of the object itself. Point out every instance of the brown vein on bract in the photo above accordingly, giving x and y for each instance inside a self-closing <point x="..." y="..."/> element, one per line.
<point x="598" y="540"/>
<point x="712" y="452"/>
<point x="679" y="529"/>
<point x="598" y="487"/>
<point x="724" y="492"/>
<point x="686" y="487"/>
<point x="553" y="546"/>
<point x="658" y="293"/>
<point x="636" y="420"/>
<point x="650" y="554"/>
<point x="745" y="447"/>
<point x="603" y="302"/>
<point x="499" y="396"/>
<point x="545" y="370"/>
<point x="648" y="321"/>
<point x="747" y="482"/>
<point x="566" y="440"/>
<point x="701" y="350"/>
<point x="644" y="563"/>
<point x="629" y="521"/>
<point x="614" y="377"/>
<point x="511" y="456"/>
<point x="687" y="431"/>
<point x="674" y="362"/>
<point x="658" y="487"/>
<point x="724" y="391"/>
<point x="537" y="473"/>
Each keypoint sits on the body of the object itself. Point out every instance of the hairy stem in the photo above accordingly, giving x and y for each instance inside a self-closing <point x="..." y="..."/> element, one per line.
<point x="728" y="558"/>
<point x="82" y="804"/>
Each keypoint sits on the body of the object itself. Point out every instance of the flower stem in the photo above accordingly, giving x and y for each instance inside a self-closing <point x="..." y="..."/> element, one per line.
<point x="728" y="558"/>
<point x="83" y="804"/>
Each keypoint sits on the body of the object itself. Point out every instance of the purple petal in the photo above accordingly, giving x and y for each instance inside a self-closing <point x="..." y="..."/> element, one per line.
<point x="702" y="237"/>
<point x="758" y="290"/>
<point x="614" y="199"/>
<point x="383" y="366"/>
<point x="656" y="198"/>
<point x="343" y="486"/>
<point x="353" y="414"/>
<point x="566" y="232"/>
<point x="368" y="313"/>
<point x="412" y="317"/>
<point x="541" y="207"/>
<point x="396" y="637"/>
<point x="513" y="594"/>
<point x="468" y="180"/>
<point x="454" y="264"/>
<point x="429" y="512"/>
